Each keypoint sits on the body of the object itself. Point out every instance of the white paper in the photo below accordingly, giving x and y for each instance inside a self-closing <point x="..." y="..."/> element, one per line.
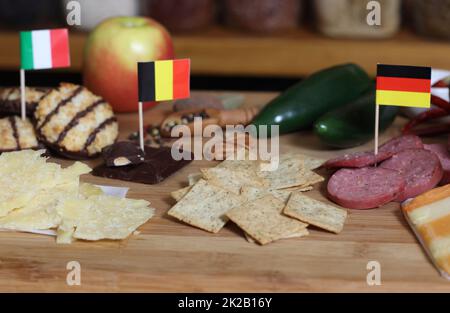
<point x="120" y="192"/>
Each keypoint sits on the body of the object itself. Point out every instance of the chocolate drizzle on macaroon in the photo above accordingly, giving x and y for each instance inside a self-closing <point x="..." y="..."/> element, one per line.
<point x="95" y="132"/>
<point x="59" y="106"/>
<point x="10" y="103"/>
<point x="12" y="121"/>
<point x="9" y="93"/>
<point x="17" y="134"/>
<point x="75" y="120"/>
<point x="72" y="126"/>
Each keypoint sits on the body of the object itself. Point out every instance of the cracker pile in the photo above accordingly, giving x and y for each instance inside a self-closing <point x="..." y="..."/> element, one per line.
<point x="266" y="205"/>
<point x="38" y="195"/>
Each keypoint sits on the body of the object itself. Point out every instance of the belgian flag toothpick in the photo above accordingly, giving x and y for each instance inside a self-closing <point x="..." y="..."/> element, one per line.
<point x="162" y="81"/>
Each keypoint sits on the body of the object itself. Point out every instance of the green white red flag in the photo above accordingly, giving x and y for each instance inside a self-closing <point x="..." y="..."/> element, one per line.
<point x="44" y="49"/>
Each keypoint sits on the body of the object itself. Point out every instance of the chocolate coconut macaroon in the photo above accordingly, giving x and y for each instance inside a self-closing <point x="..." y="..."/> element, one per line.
<point x="17" y="134"/>
<point x="10" y="103"/>
<point x="74" y="122"/>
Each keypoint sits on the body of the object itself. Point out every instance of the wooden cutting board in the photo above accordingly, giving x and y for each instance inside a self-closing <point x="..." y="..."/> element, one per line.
<point x="168" y="255"/>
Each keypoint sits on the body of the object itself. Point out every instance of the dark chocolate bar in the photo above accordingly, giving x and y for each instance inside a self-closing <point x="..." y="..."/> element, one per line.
<point x="158" y="164"/>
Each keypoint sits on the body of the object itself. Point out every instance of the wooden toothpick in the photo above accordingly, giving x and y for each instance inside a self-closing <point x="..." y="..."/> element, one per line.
<point x="377" y="121"/>
<point x="23" y="107"/>
<point x="141" y="126"/>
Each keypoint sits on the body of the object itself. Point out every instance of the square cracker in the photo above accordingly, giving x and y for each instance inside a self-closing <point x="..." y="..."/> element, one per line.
<point x="287" y="179"/>
<point x="310" y="178"/>
<point x="194" y="178"/>
<point x="291" y="172"/>
<point x="247" y="165"/>
<point x="301" y="233"/>
<point x="180" y="193"/>
<point x="204" y="206"/>
<point x="315" y="212"/>
<point x="298" y="188"/>
<point x="262" y="220"/>
<point x="251" y="193"/>
<point x="232" y="180"/>
<point x="309" y="162"/>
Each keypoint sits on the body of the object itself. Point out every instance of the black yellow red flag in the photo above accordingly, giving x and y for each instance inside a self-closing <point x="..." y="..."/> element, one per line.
<point x="401" y="85"/>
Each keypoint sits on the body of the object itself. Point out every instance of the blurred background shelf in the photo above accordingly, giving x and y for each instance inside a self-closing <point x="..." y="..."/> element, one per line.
<point x="221" y="51"/>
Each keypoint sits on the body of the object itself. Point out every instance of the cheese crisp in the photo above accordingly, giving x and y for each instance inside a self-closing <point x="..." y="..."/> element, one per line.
<point x="102" y="217"/>
<point x="39" y="195"/>
<point x="25" y="175"/>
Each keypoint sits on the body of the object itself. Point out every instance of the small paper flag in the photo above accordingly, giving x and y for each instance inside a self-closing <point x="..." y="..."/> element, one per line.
<point x="164" y="80"/>
<point x="43" y="49"/>
<point x="399" y="85"/>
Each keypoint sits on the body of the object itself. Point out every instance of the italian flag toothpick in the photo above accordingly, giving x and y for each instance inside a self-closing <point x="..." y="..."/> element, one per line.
<point x="42" y="49"/>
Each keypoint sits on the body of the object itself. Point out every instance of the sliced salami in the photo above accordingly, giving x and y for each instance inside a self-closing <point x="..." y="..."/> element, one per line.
<point x="448" y="143"/>
<point x="367" y="158"/>
<point x="444" y="156"/>
<point x="365" y="188"/>
<point x="420" y="168"/>
<point x="356" y="160"/>
<point x="400" y="144"/>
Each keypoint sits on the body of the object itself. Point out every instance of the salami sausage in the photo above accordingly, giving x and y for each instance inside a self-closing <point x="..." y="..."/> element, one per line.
<point x="400" y="144"/>
<point x="356" y="160"/>
<point x="444" y="156"/>
<point x="365" y="188"/>
<point x="448" y="143"/>
<point x="367" y="158"/>
<point x="420" y="168"/>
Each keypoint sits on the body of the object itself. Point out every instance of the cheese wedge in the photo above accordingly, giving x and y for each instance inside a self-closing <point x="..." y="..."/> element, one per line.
<point x="429" y="215"/>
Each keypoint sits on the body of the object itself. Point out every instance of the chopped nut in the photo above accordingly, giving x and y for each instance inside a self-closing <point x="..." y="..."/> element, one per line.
<point x="121" y="161"/>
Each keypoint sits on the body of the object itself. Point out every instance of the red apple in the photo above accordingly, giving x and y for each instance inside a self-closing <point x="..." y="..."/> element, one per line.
<point x="111" y="54"/>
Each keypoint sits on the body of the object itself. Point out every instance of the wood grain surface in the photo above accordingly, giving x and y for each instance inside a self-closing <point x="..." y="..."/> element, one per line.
<point x="168" y="255"/>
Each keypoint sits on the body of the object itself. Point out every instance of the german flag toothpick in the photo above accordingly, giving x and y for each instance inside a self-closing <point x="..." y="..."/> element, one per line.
<point x="400" y="85"/>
